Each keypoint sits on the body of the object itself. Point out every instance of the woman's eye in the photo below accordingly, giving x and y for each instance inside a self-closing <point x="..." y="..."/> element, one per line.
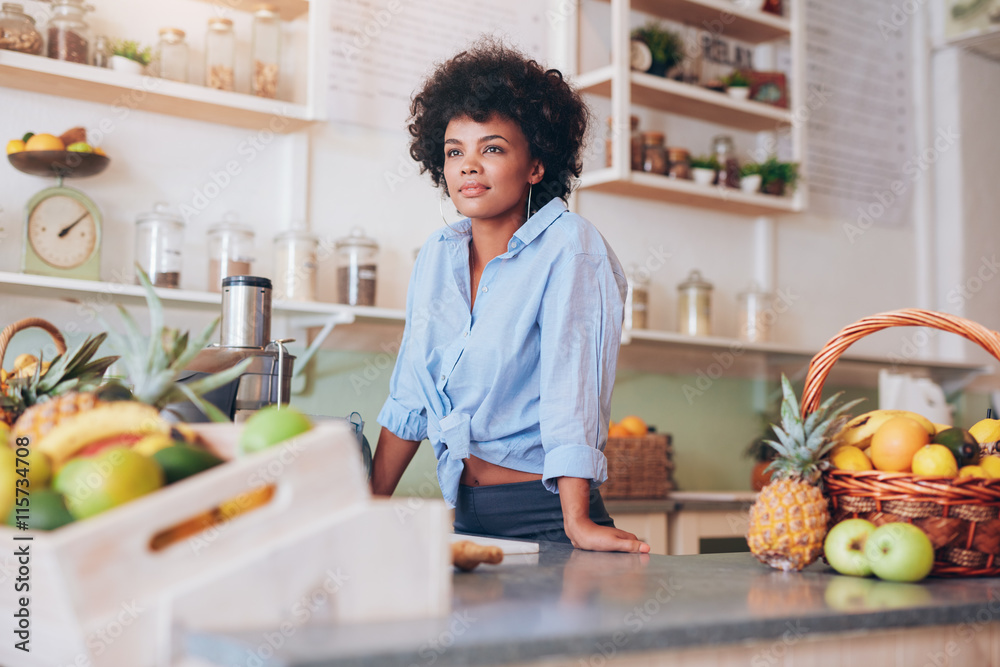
<point x="493" y="149"/>
<point x="452" y="153"/>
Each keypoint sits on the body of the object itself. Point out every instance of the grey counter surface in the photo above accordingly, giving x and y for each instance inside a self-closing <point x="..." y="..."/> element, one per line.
<point x="580" y="604"/>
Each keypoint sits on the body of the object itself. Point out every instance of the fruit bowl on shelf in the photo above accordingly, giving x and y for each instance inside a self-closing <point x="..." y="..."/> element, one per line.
<point x="65" y="164"/>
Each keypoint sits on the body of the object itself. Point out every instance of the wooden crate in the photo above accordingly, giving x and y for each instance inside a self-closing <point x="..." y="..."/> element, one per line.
<point x="101" y="595"/>
<point x="639" y="467"/>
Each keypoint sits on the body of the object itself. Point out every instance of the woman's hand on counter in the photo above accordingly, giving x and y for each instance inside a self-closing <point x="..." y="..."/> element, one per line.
<point x="574" y="495"/>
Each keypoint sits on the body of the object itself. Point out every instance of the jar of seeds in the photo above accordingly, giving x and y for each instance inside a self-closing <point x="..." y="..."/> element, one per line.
<point x="356" y="269"/>
<point x="17" y="30"/>
<point x="67" y="33"/>
<point x="266" y="50"/>
<point x="220" y="54"/>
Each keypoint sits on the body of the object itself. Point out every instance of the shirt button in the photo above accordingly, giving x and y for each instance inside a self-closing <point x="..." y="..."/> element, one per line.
<point x="442" y="378"/>
<point x="465" y="335"/>
<point x="486" y="289"/>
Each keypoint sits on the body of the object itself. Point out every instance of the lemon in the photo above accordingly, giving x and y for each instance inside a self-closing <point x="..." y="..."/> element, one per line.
<point x="973" y="471"/>
<point x="934" y="461"/>
<point x="991" y="464"/>
<point x="15" y="146"/>
<point x="850" y="458"/>
<point x="987" y="434"/>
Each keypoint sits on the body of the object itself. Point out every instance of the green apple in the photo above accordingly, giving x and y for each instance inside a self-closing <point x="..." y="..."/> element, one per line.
<point x="113" y="477"/>
<point x="270" y="426"/>
<point x="80" y="147"/>
<point x="900" y="552"/>
<point x="844" y="547"/>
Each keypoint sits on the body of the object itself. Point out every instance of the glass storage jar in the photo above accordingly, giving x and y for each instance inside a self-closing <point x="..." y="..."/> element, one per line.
<point x="637" y="298"/>
<point x="680" y="163"/>
<point x="356" y="269"/>
<point x="100" y="55"/>
<point x="694" y="306"/>
<point x="295" y="265"/>
<point x="729" y="166"/>
<point x="159" y="241"/>
<point x="265" y="50"/>
<point x="635" y="144"/>
<point x="220" y="55"/>
<point x="172" y="55"/>
<point x="67" y="33"/>
<point x="18" y="31"/>
<point x="654" y="155"/>
<point x="754" y="304"/>
<point x="230" y="251"/>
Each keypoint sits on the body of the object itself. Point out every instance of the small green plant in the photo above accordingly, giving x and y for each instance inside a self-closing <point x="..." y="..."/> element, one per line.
<point x="131" y="50"/>
<point x="704" y="162"/>
<point x="736" y="79"/>
<point x="750" y="169"/>
<point x="775" y="175"/>
<point x="665" y="45"/>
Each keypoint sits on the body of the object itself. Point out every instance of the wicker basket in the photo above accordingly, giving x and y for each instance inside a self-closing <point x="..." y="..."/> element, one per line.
<point x="28" y="323"/>
<point x="639" y="468"/>
<point x="959" y="515"/>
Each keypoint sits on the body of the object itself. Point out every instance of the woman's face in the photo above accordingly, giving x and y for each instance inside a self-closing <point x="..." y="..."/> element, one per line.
<point x="488" y="167"/>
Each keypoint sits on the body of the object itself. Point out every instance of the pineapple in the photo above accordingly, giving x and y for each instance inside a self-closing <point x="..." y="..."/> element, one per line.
<point x="33" y="404"/>
<point x="789" y="519"/>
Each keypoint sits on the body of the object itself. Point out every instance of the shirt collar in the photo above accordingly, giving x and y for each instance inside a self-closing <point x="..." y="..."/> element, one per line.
<point x="528" y="232"/>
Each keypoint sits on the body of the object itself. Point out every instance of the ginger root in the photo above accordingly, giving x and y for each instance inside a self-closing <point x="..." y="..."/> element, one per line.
<point x="466" y="555"/>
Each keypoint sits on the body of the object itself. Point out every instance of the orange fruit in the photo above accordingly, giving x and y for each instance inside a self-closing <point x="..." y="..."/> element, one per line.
<point x="15" y="146"/>
<point x="934" y="460"/>
<point x="850" y="458"/>
<point x="618" y="431"/>
<point x="634" y="425"/>
<point x="99" y="151"/>
<point x="44" y="142"/>
<point x="895" y="442"/>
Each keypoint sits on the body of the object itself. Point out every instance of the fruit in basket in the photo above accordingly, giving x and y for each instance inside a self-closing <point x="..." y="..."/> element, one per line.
<point x="44" y="142"/>
<point x="634" y="426"/>
<point x="789" y="518"/>
<point x="8" y="479"/>
<point x="270" y="426"/>
<point x="973" y="471"/>
<point x="850" y="458"/>
<point x="900" y="552"/>
<point x="844" y="547"/>
<point x="112" y="478"/>
<point x="182" y="461"/>
<point x="934" y="461"/>
<point x="987" y="434"/>
<point x="154" y="442"/>
<point x="960" y="443"/>
<point x="15" y="146"/>
<point x="940" y="427"/>
<point x="991" y="464"/>
<point x="895" y="442"/>
<point x="859" y="431"/>
<point x="618" y="431"/>
<point x="46" y="511"/>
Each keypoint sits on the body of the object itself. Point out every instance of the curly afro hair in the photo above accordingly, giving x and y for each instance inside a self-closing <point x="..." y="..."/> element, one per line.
<point x="489" y="79"/>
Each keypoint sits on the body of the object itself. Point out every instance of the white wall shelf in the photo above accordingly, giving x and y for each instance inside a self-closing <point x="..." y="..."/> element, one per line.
<point x="289" y="9"/>
<point x="754" y="27"/>
<point x="688" y="193"/>
<point x="689" y="100"/>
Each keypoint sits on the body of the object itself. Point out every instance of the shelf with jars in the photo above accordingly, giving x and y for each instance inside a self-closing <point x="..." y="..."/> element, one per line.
<point x="73" y="77"/>
<point x="629" y="82"/>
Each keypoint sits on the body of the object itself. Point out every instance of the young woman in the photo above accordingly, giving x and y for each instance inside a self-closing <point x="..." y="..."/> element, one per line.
<point x="514" y="314"/>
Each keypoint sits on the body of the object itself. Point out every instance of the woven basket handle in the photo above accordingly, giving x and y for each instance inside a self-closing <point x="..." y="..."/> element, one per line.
<point x="821" y="364"/>
<point x="28" y="323"/>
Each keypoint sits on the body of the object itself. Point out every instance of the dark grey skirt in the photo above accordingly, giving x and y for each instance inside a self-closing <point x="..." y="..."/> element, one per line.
<point x="523" y="510"/>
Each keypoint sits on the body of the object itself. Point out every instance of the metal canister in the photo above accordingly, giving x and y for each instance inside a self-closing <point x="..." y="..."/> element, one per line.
<point x="246" y="311"/>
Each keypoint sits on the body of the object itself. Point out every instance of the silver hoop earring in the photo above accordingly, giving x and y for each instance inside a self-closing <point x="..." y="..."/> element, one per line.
<point x="529" y="200"/>
<point x="441" y="208"/>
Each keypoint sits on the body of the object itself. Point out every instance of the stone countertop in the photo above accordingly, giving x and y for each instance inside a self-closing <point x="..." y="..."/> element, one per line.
<point x="575" y="605"/>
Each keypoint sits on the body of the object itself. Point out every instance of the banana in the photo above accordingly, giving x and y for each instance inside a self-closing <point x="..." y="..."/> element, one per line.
<point x="859" y="431"/>
<point x="117" y="418"/>
<point x="23" y="360"/>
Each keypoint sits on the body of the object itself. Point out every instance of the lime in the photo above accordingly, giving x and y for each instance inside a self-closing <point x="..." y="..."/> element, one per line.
<point x="46" y="511"/>
<point x="960" y="443"/>
<point x="181" y="461"/>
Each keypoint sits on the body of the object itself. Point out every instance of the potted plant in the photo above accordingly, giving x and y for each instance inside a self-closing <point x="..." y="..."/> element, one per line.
<point x="665" y="47"/>
<point x="703" y="169"/>
<point x="129" y="56"/>
<point x="737" y="85"/>
<point x="776" y="176"/>
<point x="750" y="177"/>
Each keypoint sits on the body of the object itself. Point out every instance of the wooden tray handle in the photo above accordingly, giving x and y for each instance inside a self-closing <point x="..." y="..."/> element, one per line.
<point x="28" y="323"/>
<point x="821" y="364"/>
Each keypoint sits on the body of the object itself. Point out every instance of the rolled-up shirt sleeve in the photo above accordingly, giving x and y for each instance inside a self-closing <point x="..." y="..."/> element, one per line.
<point x="404" y="412"/>
<point x="580" y="323"/>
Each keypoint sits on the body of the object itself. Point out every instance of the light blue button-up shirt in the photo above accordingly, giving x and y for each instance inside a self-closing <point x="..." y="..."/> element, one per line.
<point x="524" y="380"/>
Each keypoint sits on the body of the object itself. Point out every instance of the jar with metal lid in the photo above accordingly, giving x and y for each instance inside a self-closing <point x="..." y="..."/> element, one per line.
<point x="220" y="54"/>
<point x="230" y="251"/>
<point x="172" y="55"/>
<point x="18" y="31"/>
<point x="754" y="304"/>
<point x="694" y="306"/>
<point x="680" y="163"/>
<point x="654" y="155"/>
<point x="356" y="269"/>
<point x="637" y="297"/>
<point x="265" y="50"/>
<point x="67" y="33"/>
<point x="729" y="166"/>
<point x="295" y="265"/>
<point x="159" y="240"/>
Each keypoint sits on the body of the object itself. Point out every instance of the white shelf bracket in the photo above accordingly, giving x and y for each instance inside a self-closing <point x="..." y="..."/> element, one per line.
<point x="328" y="324"/>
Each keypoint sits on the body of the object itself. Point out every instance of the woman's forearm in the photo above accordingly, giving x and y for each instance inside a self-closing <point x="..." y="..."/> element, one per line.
<point x="574" y="496"/>
<point x="392" y="456"/>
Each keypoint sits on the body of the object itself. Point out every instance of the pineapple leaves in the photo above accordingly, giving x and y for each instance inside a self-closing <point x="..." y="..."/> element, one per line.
<point x="155" y="312"/>
<point x="212" y="412"/>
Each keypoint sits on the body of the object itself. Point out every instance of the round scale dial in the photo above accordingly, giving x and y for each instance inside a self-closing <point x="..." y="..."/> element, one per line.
<point x="62" y="231"/>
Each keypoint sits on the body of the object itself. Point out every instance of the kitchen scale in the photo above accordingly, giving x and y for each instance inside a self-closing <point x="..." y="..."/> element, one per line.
<point x="62" y="226"/>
